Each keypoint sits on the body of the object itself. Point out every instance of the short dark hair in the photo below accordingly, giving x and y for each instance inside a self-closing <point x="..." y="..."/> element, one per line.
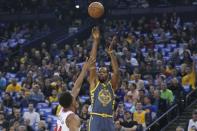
<point x="194" y="112"/>
<point x="16" y="106"/>
<point x="31" y="103"/>
<point x="133" y="84"/>
<point x="65" y="99"/>
<point x="142" y="90"/>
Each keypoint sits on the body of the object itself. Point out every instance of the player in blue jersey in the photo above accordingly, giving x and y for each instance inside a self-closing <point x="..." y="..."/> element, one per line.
<point x="102" y="89"/>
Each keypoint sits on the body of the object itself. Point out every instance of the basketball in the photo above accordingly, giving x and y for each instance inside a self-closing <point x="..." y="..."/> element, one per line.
<point x="96" y="10"/>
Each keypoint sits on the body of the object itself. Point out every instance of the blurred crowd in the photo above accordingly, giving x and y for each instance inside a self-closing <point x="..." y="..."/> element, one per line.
<point x="191" y="125"/>
<point x="156" y="59"/>
<point x="32" y="6"/>
<point x="149" y="3"/>
<point x="63" y="6"/>
<point x="15" y="35"/>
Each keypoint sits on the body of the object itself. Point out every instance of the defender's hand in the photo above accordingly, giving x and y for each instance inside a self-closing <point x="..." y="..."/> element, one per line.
<point x="90" y="62"/>
<point x="96" y="33"/>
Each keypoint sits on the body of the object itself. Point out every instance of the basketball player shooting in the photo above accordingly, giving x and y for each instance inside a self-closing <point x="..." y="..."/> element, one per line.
<point x="67" y="119"/>
<point x="102" y="89"/>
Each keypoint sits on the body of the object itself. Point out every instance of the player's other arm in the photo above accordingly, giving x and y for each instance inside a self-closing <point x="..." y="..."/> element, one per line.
<point x="78" y="83"/>
<point x="115" y="68"/>
<point x="93" y="53"/>
<point x="73" y="122"/>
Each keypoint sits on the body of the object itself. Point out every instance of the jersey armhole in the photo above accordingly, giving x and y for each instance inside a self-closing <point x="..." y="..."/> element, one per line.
<point x="110" y="83"/>
<point x="71" y="113"/>
<point x="96" y="85"/>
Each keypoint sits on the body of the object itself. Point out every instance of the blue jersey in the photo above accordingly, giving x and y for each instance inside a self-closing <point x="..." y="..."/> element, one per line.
<point x="103" y="99"/>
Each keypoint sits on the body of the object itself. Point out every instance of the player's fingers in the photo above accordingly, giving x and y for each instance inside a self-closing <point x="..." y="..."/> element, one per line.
<point x="97" y="28"/>
<point x="87" y="59"/>
<point x="113" y="40"/>
<point x="92" y="60"/>
<point x="93" y="29"/>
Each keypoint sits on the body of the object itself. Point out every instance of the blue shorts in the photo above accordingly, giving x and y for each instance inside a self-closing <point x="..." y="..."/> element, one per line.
<point x="98" y="123"/>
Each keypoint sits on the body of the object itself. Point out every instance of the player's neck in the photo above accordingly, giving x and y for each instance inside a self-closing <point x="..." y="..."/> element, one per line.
<point x="103" y="82"/>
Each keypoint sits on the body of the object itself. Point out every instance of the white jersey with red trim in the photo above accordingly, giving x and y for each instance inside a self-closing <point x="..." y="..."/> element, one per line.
<point x="61" y="122"/>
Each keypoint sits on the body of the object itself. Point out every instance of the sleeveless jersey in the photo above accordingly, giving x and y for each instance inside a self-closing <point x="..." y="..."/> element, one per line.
<point x="102" y="99"/>
<point x="61" y="122"/>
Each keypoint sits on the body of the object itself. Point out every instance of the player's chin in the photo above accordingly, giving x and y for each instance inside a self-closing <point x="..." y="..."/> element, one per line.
<point x="102" y="79"/>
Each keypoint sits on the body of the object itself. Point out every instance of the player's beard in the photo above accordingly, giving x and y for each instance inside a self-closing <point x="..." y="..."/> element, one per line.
<point x="102" y="80"/>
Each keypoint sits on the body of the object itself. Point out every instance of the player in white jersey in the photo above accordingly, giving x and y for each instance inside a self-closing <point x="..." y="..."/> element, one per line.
<point x="67" y="119"/>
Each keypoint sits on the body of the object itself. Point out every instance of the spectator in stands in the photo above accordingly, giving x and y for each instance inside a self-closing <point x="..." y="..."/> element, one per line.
<point x="48" y="89"/>
<point x="187" y="57"/>
<point x="27" y="125"/>
<point x="133" y="91"/>
<point x="14" y="126"/>
<point x="179" y="128"/>
<point x="166" y="94"/>
<point x="151" y="109"/>
<point x="160" y="79"/>
<point x="118" y="127"/>
<point x="189" y="79"/>
<point x="14" y="108"/>
<point x="192" y="124"/>
<point x="32" y="116"/>
<point x="36" y="95"/>
<point x="141" y="95"/>
<point x="137" y="78"/>
<point x="22" y="99"/>
<point x="128" y="122"/>
<point x="120" y="92"/>
<point x="140" y="115"/>
<point x="22" y="128"/>
<point x="129" y="102"/>
<point x="36" y="57"/>
<point x="17" y="117"/>
<point x="54" y="97"/>
<point x="84" y="113"/>
<point x="13" y="87"/>
<point x="2" y="107"/>
<point x="3" y="81"/>
<point x="159" y="102"/>
<point x="176" y="88"/>
<point x="119" y="115"/>
<point x="84" y="116"/>
<point x="4" y="124"/>
<point x="42" y="126"/>
<point x="8" y="101"/>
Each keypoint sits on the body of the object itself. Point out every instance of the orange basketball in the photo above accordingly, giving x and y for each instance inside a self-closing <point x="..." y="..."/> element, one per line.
<point x="96" y="10"/>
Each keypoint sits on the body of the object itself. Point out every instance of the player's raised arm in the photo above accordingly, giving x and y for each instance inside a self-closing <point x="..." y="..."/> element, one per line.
<point x="96" y="40"/>
<point x="78" y="83"/>
<point x="114" y="62"/>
